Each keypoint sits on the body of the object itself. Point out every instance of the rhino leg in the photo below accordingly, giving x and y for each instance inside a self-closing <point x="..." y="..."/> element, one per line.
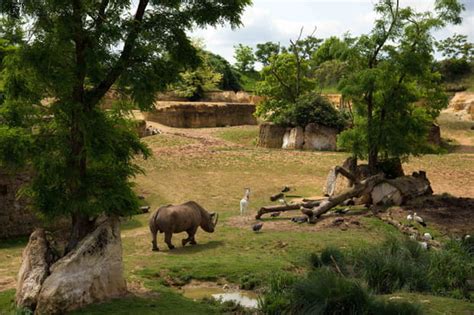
<point x="153" y="240"/>
<point x="168" y="239"/>
<point x="190" y="238"/>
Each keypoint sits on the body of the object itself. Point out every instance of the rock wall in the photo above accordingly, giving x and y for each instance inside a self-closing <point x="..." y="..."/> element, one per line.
<point x="312" y="137"/>
<point x="200" y="115"/>
<point x="15" y="217"/>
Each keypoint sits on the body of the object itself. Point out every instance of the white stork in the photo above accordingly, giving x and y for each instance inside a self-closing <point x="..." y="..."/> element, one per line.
<point x="244" y="202"/>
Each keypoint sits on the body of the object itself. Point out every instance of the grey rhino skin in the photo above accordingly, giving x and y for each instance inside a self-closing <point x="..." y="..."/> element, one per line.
<point x="175" y="219"/>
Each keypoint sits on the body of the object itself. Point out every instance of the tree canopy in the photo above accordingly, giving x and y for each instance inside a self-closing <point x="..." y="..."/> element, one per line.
<point x="391" y="83"/>
<point x="76" y="51"/>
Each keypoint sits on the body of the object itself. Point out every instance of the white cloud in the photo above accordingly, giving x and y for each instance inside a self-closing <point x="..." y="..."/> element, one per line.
<point x="281" y="20"/>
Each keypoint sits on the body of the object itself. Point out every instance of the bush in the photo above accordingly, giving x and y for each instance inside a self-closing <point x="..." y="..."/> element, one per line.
<point x="277" y="297"/>
<point x="248" y="282"/>
<point x="392" y="266"/>
<point x="333" y="252"/>
<point x="314" y="261"/>
<point x="450" y="269"/>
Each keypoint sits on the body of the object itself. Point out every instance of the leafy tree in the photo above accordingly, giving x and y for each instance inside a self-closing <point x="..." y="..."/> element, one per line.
<point x="195" y="81"/>
<point x="265" y="51"/>
<point x="245" y="59"/>
<point x="81" y="156"/>
<point x="456" y="47"/>
<point x="230" y="78"/>
<point x="391" y="83"/>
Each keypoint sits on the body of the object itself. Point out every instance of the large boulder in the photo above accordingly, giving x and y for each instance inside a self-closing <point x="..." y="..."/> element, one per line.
<point x="463" y="104"/>
<point x="91" y="273"/>
<point x="271" y="135"/>
<point x="293" y="138"/>
<point x="34" y="269"/>
<point x="318" y="137"/>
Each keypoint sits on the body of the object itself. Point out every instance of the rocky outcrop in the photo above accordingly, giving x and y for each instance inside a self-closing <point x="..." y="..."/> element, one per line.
<point x="312" y="137"/>
<point x="271" y="136"/>
<point x="463" y="104"/>
<point x="201" y="115"/>
<point x="91" y="273"/>
<point x="320" y="138"/>
<point x="34" y="269"/>
<point x="293" y="138"/>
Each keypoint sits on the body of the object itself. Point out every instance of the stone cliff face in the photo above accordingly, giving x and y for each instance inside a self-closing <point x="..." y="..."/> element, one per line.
<point x="463" y="104"/>
<point x="200" y="115"/>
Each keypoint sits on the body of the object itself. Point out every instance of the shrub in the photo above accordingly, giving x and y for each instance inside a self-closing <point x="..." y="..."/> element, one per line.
<point x="324" y="292"/>
<point x="315" y="261"/>
<point x="248" y="282"/>
<point x="333" y="252"/>
<point x="276" y="298"/>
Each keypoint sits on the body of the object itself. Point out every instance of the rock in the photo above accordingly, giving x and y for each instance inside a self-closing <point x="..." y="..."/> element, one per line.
<point x="91" y="273"/>
<point x="434" y="135"/>
<point x="293" y="138"/>
<point x="271" y="135"/>
<point x="318" y="137"/>
<point x="463" y="102"/>
<point x="141" y="128"/>
<point x="33" y="270"/>
<point x="336" y="184"/>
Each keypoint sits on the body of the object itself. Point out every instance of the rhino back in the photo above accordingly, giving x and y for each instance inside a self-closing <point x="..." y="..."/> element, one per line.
<point x="178" y="218"/>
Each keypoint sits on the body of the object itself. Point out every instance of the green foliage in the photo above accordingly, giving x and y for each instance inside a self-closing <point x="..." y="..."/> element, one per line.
<point x="396" y="265"/>
<point x="193" y="83"/>
<point x="379" y="306"/>
<point x="265" y="51"/>
<point x="230" y="78"/>
<point x="331" y="254"/>
<point x="315" y="261"/>
<point x="456" y="47"/>
<point x="244" y="58"/>
<point x="83" y="158"/>
<point x="391" y="84"/>
<point x="277" y="296"/>
<point x="324" y="292"/>
<point x="248" y="282"/>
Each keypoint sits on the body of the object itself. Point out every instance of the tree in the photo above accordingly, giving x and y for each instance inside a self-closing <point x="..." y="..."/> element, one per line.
<point x="391" y="83"/>
<point x="265" y="51"/>
<point x="193" y="83"/>
<point x="244" y="57"/>
<point x="82" y="157"/>
<point x="456" y="47"/>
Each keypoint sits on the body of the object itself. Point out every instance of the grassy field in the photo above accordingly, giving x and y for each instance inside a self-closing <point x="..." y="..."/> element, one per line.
<point x="213" y="167"/>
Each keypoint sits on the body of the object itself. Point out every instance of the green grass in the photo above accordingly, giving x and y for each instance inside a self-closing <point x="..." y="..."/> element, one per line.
<point x="243" y="135"/>
<point x="6" y="302"/>
<point x="215" y="177"/>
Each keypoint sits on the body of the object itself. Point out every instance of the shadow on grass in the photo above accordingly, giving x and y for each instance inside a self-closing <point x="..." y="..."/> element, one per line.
<point x="190" y="249"/>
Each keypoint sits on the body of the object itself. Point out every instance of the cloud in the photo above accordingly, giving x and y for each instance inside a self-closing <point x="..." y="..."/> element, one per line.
<point x="281" y="20"/>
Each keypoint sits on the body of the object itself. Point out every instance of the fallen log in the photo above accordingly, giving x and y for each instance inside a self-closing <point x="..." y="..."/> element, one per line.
<point x="288" y="207"/>
<point x="277" y="196"/>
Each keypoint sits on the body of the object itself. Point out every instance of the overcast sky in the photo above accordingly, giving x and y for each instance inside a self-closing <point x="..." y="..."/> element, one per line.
<point x="281" y="20"/>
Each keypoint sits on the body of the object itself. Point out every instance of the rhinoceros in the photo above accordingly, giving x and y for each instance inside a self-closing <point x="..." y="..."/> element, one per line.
<point x="185" y="217"/>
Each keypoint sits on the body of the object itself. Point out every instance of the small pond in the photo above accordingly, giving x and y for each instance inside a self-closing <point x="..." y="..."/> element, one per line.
<point x="197" y="292"/>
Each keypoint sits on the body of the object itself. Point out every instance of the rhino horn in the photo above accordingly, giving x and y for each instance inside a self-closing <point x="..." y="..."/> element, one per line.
<point x="216" y="215"/>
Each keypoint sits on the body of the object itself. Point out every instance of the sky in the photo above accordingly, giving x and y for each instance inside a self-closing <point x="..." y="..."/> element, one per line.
<point x="281" y="20"/>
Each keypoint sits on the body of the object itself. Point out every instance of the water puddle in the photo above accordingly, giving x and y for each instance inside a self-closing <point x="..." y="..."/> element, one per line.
<point x="199" y="291"/>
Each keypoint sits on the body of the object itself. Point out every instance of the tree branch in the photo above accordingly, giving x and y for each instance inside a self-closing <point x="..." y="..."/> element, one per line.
<point x="94" y="96"/>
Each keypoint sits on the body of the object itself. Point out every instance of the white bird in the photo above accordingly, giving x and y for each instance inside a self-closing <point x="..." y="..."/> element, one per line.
<point x="413" y="237"/>
<point x="419" y="219"/>
<point x="423" y="245"/>
<point x="427" y="236"/>
<point x="283" y="201"/>
<point x="410" y="217"/>
<point x="244" y="202"/>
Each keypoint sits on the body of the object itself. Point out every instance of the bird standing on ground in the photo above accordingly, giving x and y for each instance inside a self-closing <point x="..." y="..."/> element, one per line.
<point x="410" y="217"/>
<point x="257" y="227"/>
<point x="275" y="214"/>
<point x="419" y="219"/>
<point x="285" y="189"/>
<point x="244" y="202"/>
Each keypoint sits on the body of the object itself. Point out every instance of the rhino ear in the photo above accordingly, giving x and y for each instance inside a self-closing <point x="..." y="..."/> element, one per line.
<point x="213" y="214"/>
